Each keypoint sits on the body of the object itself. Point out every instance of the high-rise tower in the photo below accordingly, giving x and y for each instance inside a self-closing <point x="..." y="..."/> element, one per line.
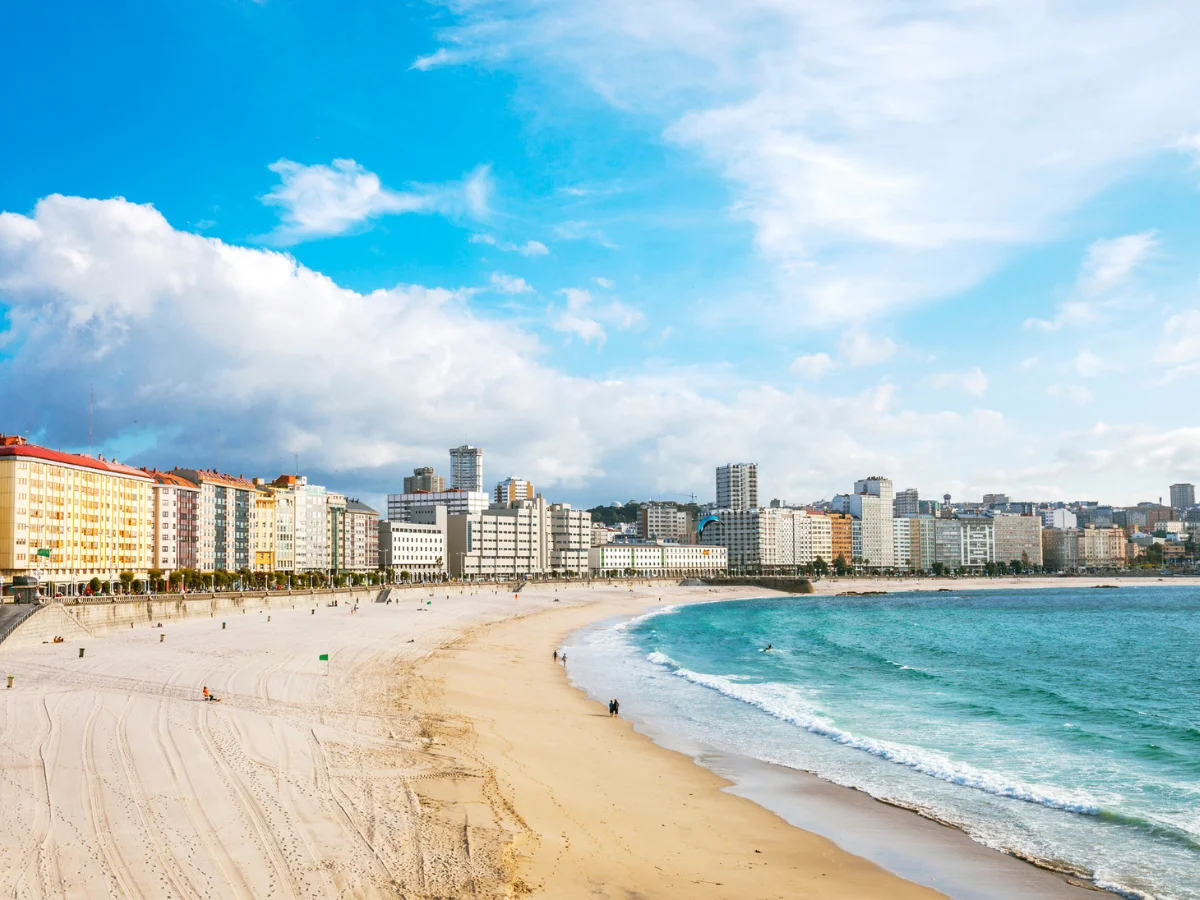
<point x="466" y="468"/>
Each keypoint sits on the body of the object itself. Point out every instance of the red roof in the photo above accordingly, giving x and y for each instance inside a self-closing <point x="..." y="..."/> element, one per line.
<point x="168" y="478"/>
<point x="9" y="448"/>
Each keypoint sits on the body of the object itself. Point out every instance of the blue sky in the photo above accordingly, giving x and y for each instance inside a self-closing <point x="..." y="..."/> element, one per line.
<point x="616" y="244"/>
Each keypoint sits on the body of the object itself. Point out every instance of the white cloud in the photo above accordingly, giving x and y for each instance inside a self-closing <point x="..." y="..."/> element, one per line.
<point x="883" y="159"/>
<point x="861" y="349"/>
<point x="813" y="365"/>
<point x="583" y="231"/>
<point x="607" y="283"/>
<point x="323" y="201"/>
<point x="1029" y="362"/>
<point x="510" y="284"/>
<point x="170" y="326"/>
<point x="971" y="381"/>
<point x="529" y="248"/>
<point x="1073" y="392"/>
<point x="590" y="327"/>
<point x="1108" y="264"/>
<point x="1105" y="273"/>
<point x="1092" y="365"/>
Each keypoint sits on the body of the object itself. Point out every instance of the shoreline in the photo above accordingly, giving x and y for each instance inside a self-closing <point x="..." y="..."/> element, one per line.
<point x="512" y="734"/>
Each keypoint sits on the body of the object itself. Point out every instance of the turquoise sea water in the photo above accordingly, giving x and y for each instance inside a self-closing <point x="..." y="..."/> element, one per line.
<point x="1062" y="725"/>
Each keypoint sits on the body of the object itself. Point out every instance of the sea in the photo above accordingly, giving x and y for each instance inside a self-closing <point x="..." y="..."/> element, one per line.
<point x="1058" y="725"/>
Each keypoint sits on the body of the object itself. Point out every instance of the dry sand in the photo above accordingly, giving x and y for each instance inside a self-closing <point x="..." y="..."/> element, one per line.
<point x="474" y="772"/>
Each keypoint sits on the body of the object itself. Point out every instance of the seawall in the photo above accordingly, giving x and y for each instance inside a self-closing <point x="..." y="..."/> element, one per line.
<point x="96" y="618"/>
<point x="786" y="583"/>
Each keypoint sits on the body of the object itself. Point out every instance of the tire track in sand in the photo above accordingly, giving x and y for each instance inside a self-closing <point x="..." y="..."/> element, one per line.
<point x="266" y="835"/>
<point x="119" y="874"/>
<point x="196" y="816"/>
<point x="42" y="812"/>
<point x="151" y="835"/>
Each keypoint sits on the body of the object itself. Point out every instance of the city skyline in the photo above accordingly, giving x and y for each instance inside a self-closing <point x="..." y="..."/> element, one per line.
<point x="612" y="268"/>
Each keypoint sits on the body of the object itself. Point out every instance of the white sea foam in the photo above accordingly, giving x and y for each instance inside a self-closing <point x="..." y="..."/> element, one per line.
<point x="787" y="703"/>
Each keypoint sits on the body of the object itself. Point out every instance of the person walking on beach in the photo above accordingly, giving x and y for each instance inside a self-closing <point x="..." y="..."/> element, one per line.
<point x="556" y="655"/>
<point x="615" y="708"/>
<point x="610" y="707"/>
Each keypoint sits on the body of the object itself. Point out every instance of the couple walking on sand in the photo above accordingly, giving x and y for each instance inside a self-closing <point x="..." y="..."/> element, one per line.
<point x="614" y="707"/>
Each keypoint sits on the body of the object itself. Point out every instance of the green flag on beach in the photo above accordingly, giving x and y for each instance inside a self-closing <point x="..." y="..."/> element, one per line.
<point x="324" y="657"/>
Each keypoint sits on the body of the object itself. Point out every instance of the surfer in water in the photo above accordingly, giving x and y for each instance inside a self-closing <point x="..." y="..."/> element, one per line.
<point x="766" y="649"/>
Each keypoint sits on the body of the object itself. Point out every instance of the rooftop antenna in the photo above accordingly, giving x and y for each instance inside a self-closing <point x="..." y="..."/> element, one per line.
<point x="89" y="418"/>
<point x="296" y="460"/>
<point x="218" y="451"/>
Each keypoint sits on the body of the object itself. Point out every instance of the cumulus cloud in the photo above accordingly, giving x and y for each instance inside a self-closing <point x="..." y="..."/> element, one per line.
<point x="190" y="335"/>
<point x="510" y="284"/>
<point x="813" y="365"/>
<point x="323" y="201"/>
<point x="882" y="159"/>
<point x="859" y="348"/>
<point x="607" y="283"/>
<point x="1091" y="365"/>
<point x="585" y="318"/>
<point x="529" y="248"/>
<point x="971" y="381"/>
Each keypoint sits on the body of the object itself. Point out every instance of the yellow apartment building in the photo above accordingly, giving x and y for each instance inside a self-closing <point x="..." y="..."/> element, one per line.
<point x="263" y="528"/>
<point x="67" y="518"/>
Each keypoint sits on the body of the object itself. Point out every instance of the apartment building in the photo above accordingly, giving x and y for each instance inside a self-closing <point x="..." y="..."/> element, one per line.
<point x="871" y="506"/>
<point x="67" y="518"/>
<point x="335" y="530"/>
<point x="466" y="468"/>
<point x="841" y="535"/>
<point x="418" y="548"/>
<point x="1060" y="549"/>
<point x="512" y="489"/>
<point x="907" y="503"/>
<point x="656" y="559"/>
<point x="737" y="486"/>
<point x="263" y="528"/>
<point x="224" y="514"/>
<point x="1101" y="548"/>
<point x="967" y="542"/>
<point x="424" y="479"/>
<point x="570" y="538"/>
<point x="1018" y="539"/>
<point x="666" y="522"/>
<point x="360" y="542"/>
<point x="176" y="522"/>
<point x="400" y="507"/>
<point x="1183" y="496"/>
<point x="775" y="537"/>
<point x="500" y="543"/>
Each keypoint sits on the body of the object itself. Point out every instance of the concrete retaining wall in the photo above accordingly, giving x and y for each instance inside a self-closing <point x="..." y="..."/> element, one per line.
<point x="77" y="620"/>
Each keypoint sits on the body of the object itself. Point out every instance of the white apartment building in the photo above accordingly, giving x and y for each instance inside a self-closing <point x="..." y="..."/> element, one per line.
<point x="772" y="537"/>
<point x="400" y="507"/>
<point x="418" y="548"/>
<point x="1019" y="539"/>
<point x="285" y="531"/>
<point x="570" y="538"/>
<point x="664" y="522"/>
<point x="500" y="543"/>
<point x="466" y="468"/>
<point x="737" y="486"/>
<point x="966" y="542"/>
<point x="913" y="542"/>
<point x="1102" y="548"/>
<point x="871" y="505"/>
<point x="657" y="560"/>
<point x="512" y="489"/>
<point x="360" y="538"/>
<point x="335" y="530"/>
<point x="1059" y="518"/>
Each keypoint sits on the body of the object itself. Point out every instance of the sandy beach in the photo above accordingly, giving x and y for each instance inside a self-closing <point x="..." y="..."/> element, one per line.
<point x="440" y="752"/>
